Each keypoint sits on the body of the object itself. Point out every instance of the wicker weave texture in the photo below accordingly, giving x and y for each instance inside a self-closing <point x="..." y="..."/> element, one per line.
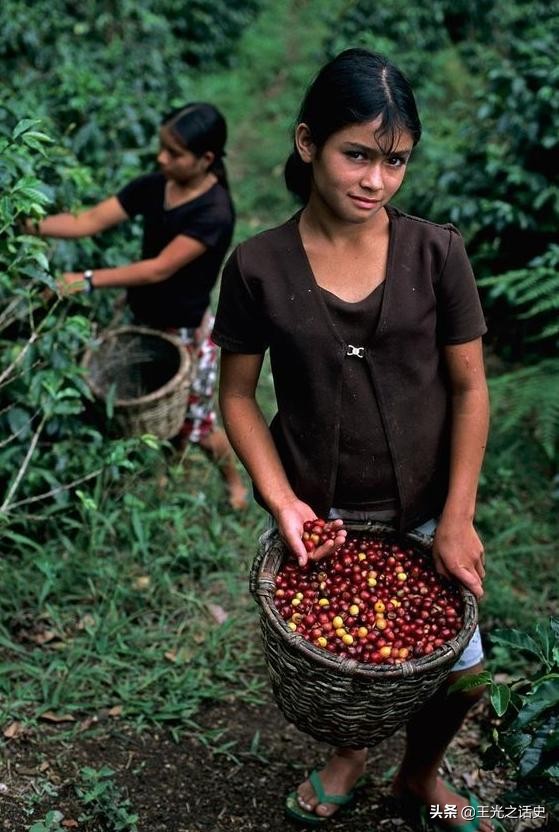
<point x="339" y="700"/>
<point x="145" y="375"/>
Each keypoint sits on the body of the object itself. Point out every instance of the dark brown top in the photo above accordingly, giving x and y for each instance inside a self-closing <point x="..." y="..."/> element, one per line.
<point x="365" y="478"/>
<point x="270" y="299"/>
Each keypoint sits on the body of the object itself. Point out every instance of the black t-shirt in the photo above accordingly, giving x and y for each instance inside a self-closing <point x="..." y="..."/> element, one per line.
<point x="181" y="300"/>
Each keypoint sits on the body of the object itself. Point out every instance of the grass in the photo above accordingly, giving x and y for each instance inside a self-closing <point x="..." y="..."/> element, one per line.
<point x="116" y="608"/>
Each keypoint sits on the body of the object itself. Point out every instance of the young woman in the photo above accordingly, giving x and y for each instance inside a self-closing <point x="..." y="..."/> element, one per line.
<point x="188" y="221"/>
<point x="374" y="328"/>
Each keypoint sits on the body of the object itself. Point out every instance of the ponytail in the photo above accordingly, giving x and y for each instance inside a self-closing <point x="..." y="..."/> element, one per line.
<point x="218" y="169"/>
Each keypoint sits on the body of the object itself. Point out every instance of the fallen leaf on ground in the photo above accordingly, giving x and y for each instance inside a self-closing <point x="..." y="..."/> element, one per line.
<point x="13" y="730"/>
<point x="182" y="656"/>
<point x="141" y="582"/>
<point x="50" y="716"/>
<point x="86" y="621"/>
<point x="116" y="711"/>
<point x="70" y="823"/>
<point x="218" y="613"/>
<point x="86" y="723"/>
<point x="43" y="637"/>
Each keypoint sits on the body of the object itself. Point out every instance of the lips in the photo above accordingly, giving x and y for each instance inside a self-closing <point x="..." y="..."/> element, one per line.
<point x="364" y="202"/>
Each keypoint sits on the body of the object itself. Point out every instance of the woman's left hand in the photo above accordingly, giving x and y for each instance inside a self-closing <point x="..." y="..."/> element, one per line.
<point x="458" y="553"/>
<point x="70" y="283"/>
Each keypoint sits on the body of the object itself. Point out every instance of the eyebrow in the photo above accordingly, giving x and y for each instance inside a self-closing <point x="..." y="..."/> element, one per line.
<point x="405" y="151"/>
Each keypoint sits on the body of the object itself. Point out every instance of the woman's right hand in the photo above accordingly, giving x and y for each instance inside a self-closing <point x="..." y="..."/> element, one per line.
<point x="290" y="519"/>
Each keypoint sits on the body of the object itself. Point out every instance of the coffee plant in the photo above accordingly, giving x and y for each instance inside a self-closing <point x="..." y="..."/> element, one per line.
<point x="44" y="396"/>
<point x="526" y="734"/>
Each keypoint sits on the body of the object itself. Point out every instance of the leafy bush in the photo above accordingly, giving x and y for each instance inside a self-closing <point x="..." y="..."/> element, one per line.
<point x="45" y="397"/>
<point x="527" y="733"/>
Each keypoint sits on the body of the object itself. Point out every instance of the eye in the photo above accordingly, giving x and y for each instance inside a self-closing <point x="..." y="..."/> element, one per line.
<point x="396" y="161"/>
<point x="357" y="155"/>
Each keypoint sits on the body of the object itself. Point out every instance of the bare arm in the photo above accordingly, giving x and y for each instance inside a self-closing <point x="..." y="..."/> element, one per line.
<point x="103" y="215"/>
<point x="178" y="253"/>
<point x="457" y="548"/>
<point x="252" y="441"/>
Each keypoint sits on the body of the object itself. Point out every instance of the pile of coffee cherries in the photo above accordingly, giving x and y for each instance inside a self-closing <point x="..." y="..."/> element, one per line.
<point x="375" y="600"/>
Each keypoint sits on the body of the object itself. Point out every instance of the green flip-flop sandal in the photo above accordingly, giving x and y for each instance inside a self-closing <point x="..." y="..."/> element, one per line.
<point x="295" y="811"/>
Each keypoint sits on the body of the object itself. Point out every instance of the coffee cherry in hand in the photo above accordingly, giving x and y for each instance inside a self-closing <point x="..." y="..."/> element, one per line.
<point x="318" y="531"/>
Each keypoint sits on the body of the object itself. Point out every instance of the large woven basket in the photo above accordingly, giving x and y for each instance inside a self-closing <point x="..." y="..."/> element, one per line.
<point x="142" y="378"/>
<point x="335" y="699"/>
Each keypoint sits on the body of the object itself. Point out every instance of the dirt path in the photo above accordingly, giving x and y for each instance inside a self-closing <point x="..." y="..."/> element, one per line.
<point x="240" y="786"/>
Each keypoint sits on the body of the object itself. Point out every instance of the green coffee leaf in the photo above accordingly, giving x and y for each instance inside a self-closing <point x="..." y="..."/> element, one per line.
<point x="500" y="697"/>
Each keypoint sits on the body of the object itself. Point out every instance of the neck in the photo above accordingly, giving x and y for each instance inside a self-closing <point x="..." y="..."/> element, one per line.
<point x="191" y="189"/>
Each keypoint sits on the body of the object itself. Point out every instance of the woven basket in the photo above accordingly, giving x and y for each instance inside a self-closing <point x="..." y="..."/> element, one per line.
<point x="335" y="699"/>
<point x="143" y="376"/>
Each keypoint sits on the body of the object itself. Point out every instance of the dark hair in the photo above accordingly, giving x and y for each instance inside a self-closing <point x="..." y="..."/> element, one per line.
<point x="200" y="127"/>
<point x="356" y="86"/>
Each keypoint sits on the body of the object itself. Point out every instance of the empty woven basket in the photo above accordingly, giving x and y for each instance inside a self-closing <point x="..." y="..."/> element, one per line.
<point x="335" y="699"/>
<point x="142" y="377"/>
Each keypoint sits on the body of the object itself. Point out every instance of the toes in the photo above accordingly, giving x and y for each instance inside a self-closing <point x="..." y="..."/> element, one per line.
<point x="325" y="810"/>
<point x="306" y="799"/>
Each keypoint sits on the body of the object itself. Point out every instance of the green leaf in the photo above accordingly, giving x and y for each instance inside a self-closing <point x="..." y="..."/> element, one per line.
<point x="19" y="422"/>
<point x="471" y="681"/>
<point x="500" y="697"/>
<point x="35" y="194"/>
<point x="24" y="125"/>
<point x="151" y="441"/>
<point x="518" y="639"/>
<point x="546" y="639"/>
<point x="515" y="743"/>
<point x="37" y="136"/>
<point x="544" y="697"/>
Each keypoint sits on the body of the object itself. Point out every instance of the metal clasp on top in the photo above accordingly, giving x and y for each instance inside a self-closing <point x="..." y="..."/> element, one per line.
<point x="358" y="351"/>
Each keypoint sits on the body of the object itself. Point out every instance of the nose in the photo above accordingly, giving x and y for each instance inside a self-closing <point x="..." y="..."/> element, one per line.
<point x="162" y="157"/>
<point x="372" y="177"/>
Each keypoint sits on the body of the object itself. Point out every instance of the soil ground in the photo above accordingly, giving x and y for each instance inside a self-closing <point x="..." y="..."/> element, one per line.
<point x="239" y="785"/>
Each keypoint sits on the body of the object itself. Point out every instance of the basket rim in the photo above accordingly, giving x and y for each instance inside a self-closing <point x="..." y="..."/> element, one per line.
<point x="183" y="373"/>
<point x="261" y="588"/>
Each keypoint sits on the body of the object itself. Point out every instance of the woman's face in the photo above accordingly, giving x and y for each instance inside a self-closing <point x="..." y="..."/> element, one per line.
<point x="178" y="163"/>
<point x="354" y="177"/>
